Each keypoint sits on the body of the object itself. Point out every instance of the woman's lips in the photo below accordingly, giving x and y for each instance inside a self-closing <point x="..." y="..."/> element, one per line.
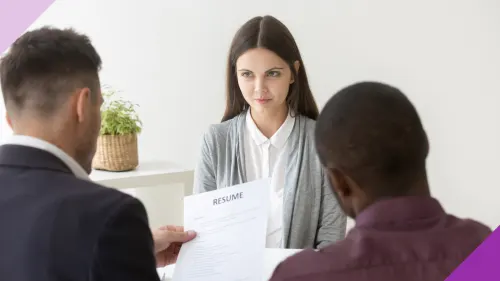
<point x="262" y="101"/>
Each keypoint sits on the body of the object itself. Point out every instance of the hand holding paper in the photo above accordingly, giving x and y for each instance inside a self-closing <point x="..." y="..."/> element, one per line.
<point x="231" y="234"/>
<point x="167" y="243"/>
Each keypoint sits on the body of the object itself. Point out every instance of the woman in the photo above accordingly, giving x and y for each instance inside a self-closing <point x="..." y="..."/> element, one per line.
<point x="267" y="131"/>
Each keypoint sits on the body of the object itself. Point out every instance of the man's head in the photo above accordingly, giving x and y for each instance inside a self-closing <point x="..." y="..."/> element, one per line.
<point x="372" y="145"/>
<point x="51" y="89"/>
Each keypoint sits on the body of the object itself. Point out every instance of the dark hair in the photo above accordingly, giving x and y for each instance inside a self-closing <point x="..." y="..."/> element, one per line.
<point x="373" y="133"/>
<point x="44" y="66"/>
<point x="269" y="33"/>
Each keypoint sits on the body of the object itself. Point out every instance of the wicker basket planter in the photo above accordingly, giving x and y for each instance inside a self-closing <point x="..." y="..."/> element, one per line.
<point x="117" y="143"/>
<point x="116" y="153"/>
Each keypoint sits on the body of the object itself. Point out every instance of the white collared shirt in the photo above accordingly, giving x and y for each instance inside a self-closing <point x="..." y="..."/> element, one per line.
<point x="56" y="151"/>
<point x="265" y="158"/>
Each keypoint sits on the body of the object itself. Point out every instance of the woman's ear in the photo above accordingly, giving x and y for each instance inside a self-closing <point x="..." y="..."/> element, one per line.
<point x="296" y="66"/>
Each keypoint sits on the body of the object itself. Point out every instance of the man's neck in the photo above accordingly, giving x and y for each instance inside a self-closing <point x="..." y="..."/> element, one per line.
<point x="59" y="139"/>
<point x="418" y="188"/>
<point x="269" y="122"/>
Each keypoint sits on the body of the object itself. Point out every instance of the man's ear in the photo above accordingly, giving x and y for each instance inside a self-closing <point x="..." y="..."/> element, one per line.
<point x="9" y="121"/>
<point x="340" y="183"/>
<point x="83" y="103"/>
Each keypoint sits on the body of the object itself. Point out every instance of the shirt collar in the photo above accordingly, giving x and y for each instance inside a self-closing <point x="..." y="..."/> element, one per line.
<point x="29" y="141"/>
<point x="279" y="138"/>
<point x="400" y="211"/>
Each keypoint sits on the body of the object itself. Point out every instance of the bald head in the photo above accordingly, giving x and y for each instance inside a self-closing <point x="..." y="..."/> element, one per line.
<point x="371" y="132"/>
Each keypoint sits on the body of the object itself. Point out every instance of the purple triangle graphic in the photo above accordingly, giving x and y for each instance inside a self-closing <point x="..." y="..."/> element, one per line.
<point x="16" y="16"/>
<point x="483" y="264"/>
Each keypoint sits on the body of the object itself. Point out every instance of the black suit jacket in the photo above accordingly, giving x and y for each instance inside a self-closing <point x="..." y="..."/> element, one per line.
<point x="54" y="226"/>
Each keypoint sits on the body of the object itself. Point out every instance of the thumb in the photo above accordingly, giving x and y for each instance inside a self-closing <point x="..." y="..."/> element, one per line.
<point x="181" y="237"/>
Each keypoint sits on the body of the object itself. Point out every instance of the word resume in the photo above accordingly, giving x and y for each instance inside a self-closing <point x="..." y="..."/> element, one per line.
<point x="231" y="226"/>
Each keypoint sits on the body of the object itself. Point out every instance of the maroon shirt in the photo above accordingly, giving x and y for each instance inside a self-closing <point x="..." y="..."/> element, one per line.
<point x="402" y="239"/>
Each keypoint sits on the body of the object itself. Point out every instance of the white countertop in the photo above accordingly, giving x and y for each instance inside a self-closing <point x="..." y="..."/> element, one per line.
<point x="146" y="168"/>
<point x="271" y="259"/>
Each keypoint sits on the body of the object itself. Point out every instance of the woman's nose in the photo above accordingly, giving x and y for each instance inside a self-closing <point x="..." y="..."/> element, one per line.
<point x="260" y="86"/>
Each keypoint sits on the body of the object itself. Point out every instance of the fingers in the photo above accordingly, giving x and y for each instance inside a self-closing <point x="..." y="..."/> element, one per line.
<point x="166" y="235"/>
<point x="180" y="236"/>
<point x="168" y="241"/>
<point x="177" y="232"/>
<point x="173" y="228"/>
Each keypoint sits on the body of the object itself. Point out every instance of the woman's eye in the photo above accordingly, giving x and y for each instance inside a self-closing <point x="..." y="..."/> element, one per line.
<point x="273" y="73"/>
<point x="246" y="74"/>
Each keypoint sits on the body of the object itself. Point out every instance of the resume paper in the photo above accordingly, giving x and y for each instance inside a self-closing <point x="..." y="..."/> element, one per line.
<point x="231" y="226"/>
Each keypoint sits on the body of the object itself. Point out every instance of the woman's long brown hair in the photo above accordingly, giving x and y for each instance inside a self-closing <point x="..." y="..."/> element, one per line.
<point x="269" y="33"/>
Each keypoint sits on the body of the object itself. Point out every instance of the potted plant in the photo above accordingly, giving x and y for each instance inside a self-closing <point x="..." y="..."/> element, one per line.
<point x="117" y="148"/>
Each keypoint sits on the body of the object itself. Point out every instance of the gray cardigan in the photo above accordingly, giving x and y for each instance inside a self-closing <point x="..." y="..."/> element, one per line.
<point x="312" y="216"/>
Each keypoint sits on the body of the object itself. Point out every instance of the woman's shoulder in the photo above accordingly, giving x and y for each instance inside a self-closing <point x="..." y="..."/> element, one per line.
<point x="220" y="132"/>
<point x="307" y="123"/>
<point x="306" y="132"/>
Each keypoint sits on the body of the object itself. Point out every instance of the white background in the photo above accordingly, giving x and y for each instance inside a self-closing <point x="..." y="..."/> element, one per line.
<point x="169" y="56"/>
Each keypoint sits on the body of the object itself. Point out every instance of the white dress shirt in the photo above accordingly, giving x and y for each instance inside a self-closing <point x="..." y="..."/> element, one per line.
<point x="264" y="158"/>
<point x="48" y="147"/>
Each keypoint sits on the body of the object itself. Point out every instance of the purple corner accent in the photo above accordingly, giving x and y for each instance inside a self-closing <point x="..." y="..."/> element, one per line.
<point x="16" y="16"/>
<point x="483" y="264"/>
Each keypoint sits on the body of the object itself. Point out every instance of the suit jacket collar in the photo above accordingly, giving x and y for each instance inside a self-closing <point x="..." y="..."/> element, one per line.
<point x="68" y="161"/>
<point x="30" y="158"/>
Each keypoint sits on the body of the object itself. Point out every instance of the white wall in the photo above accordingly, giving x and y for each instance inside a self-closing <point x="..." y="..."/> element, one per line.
<point x="169" y="56"/>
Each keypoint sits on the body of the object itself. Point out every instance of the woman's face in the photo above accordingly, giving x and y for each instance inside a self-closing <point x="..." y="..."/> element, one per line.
<point x="264" y="79"/>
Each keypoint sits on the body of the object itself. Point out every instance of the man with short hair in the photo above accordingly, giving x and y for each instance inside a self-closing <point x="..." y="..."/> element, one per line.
<point x="55" y="223"/>
<point x="373" y="147"/>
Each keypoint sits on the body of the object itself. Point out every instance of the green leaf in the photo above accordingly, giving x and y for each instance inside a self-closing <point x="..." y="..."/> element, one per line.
<point x="118" y="116"/>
